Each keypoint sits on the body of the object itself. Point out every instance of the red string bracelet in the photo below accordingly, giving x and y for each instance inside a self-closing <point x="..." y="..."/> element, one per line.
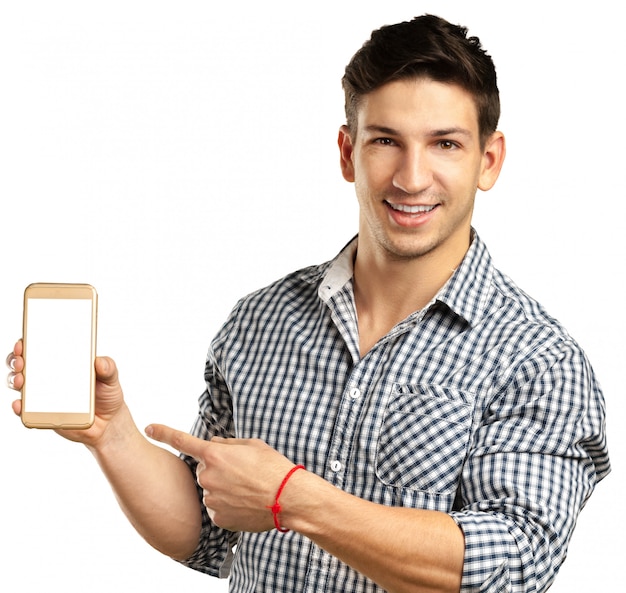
<point x="276" y="508"/>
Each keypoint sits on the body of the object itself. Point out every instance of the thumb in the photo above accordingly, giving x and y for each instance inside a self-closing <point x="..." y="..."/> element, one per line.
<point x="106" y="370"/>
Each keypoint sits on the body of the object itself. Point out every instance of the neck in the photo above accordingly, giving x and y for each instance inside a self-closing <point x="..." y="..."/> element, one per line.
<point x="387" y="289"/>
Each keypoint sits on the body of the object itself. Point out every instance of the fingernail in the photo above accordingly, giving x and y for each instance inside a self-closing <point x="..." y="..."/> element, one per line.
<point x="149" y="431"/>
<point x="11" y="381"/>
<point x="11" y="362"/>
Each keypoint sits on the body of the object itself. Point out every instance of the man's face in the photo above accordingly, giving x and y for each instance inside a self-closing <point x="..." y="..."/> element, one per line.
<point x="416" y="162"/>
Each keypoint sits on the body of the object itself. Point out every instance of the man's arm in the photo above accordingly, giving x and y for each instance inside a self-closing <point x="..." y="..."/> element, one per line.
<point x="398" y="548"/>
<point x="401" y="549"/>
<point x="154" y="487"/>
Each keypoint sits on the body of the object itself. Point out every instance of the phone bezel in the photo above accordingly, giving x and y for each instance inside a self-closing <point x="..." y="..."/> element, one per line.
<point x="60" y="420"/>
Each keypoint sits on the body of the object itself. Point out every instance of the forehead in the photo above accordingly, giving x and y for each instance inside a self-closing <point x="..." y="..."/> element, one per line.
<point x="417" y="104"/>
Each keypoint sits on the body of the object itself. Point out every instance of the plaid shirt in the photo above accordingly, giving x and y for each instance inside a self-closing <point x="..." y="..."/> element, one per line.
<point x="480" y="406"/>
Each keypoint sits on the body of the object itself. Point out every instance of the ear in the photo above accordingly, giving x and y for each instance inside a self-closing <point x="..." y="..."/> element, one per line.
<point x="492" y="161"/>
<point x="346" y="150"/>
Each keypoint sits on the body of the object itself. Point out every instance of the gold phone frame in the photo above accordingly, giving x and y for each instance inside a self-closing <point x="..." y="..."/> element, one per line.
<point x="60" y="420"/>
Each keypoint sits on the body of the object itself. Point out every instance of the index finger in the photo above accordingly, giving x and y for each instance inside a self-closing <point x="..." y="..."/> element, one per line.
<point x="179" y="440"/>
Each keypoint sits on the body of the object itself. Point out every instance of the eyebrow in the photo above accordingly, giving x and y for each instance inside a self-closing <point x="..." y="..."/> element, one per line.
<point x="436" y="133"/>
<point x="374" y="129"/>
<point x="451" y="132"/>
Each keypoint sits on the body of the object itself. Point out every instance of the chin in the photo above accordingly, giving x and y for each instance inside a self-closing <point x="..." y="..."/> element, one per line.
<point x="408" y="251"/>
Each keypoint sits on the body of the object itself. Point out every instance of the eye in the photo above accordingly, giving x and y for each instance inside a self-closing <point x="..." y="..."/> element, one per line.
<point x="447" y="145"/>
<point x="384" y="141"/>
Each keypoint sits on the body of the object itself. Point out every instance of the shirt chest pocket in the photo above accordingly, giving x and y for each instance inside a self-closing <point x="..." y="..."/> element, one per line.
<point x="423" y="438"/>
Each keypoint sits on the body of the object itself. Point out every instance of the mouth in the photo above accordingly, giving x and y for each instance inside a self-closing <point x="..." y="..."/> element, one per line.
<point x="407" y="209"/>
<point x="411" y="216"/>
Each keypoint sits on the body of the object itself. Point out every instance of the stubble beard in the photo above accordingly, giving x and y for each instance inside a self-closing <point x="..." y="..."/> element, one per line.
<point x="407" y="253"/>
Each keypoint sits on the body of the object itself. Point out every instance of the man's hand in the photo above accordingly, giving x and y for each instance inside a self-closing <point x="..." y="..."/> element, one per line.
<point x="239" y="477"/>
<point x="109" y="396"/>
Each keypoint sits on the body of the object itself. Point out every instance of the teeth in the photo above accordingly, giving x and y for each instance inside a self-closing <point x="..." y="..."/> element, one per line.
<point x="411" y="209"/>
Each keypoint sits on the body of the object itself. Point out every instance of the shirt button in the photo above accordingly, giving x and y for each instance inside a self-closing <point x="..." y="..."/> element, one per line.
<point x="335" y="465"/>
<point x="355" y="393"/>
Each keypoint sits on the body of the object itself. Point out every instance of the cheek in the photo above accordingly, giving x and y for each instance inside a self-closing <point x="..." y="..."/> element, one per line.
<point x="460" y="181"/>
<point x="366" y="191"/>
<point x="372" y="179"/>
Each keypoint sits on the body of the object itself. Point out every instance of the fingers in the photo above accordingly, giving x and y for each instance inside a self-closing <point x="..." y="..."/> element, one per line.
<point x="179" y="440"/>
<point x="15" y="381"/>
<point x="15" y="364"/>
<point x="106" y="370"/>
<point x="15" y="378"/>
<point x="14" y="360"/>
<point x="17" y="407"/>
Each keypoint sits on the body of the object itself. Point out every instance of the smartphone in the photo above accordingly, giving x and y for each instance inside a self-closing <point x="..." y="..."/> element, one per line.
<point x="59" y="335"/>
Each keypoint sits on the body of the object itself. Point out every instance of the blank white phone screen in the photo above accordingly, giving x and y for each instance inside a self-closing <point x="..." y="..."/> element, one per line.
<point x="58" y="356"/>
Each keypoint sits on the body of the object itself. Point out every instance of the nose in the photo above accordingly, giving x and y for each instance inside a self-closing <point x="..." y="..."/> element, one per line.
<point x="413" y="171"/>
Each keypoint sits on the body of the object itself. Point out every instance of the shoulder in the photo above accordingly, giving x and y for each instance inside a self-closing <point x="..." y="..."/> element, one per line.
<point x="542" y="355"/>
<point x="289" y="289"/>
<point x="492" y="303"/>
<point x="280" y="300"/>
<point x="528" y="310"/>
<point x="516" y="326"/>
<point x="301" y="286"/>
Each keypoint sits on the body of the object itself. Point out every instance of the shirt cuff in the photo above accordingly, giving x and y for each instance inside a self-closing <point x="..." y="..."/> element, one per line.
<point x="493" y="561"/>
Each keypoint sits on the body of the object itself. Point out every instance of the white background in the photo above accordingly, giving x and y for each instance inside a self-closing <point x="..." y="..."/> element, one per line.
<point x="177" y="155"/>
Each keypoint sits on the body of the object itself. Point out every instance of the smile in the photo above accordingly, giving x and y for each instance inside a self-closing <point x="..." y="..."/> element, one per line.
<point x="410" y="209"/>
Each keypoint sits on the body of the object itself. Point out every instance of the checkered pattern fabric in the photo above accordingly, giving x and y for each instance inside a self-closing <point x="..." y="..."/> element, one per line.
<point x="480" y="405"/>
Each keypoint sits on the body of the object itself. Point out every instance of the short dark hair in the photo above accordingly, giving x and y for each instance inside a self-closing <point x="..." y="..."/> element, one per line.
<point x="427" y="46"/>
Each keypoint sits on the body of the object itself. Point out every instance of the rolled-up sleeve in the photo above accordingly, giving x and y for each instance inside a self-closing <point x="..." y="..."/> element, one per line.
<point x="214" y="553"/>
<point x="537" y="454"/>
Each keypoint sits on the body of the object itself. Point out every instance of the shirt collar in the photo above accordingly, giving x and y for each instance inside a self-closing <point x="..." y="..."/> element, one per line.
<point x="465" y="293"/>
<point x="339" y="271"/>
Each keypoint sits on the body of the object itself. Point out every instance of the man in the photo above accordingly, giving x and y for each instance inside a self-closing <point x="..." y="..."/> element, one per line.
<point x="402" y="418"/>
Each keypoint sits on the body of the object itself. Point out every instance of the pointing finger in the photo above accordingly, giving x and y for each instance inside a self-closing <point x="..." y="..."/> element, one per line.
<point x="179" y="440"/>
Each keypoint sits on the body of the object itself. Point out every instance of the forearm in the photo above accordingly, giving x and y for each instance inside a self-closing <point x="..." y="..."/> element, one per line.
<point x="400" y="549"/>
<point x="155" y="488"/>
